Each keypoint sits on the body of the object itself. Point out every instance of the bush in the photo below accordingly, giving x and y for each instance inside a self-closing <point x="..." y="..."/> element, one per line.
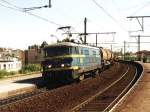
<point x="4" y="73"/>
<point x="12" y="73"/>
<point x="30" y="68"/>
<point x="26" y="69"/>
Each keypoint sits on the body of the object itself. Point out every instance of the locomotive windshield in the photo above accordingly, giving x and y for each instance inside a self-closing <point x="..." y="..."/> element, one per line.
<point x="60" y="50"/>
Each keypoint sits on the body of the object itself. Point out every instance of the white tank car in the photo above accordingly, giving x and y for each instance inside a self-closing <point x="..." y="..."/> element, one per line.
<point x="107" y="56"/>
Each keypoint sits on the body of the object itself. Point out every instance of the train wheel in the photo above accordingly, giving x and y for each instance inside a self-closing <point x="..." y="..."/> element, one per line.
<point x="81" y="77"/>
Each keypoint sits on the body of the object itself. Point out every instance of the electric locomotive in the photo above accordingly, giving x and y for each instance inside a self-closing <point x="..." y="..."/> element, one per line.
<point x="70" y="61"/>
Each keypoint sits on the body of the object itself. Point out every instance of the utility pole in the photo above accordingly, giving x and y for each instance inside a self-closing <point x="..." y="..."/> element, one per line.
<point x="139" y="43"/>
<point x="96" y="40"/>
<point x="111" y="49"/>
<point x="124" y="49"/>
<point x="139" y="40"/>
<point x="85" y="30"/>
<point x="50" y="4"/>
<point x="85" y="21"/>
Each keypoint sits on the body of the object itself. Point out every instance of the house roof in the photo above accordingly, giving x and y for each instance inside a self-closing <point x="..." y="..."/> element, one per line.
<point x="143" y="52"/>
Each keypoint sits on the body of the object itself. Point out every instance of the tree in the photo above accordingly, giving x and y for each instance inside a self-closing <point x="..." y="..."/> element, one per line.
<point x="43" y="44"/>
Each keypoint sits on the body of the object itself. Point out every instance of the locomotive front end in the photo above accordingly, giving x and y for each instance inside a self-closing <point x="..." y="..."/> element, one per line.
<point x="59" y="62"/>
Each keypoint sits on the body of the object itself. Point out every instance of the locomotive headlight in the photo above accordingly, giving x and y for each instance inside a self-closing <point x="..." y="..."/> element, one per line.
<point x="68" y="65"/>
<point x="49" y="66"/>
<point x="65" y="65"/>
<point x="62" y="65"/>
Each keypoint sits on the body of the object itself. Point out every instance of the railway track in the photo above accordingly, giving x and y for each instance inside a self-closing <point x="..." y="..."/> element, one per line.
<point x="107" y="98"/>
<point x="65" y="98"/>
<point x="16" y="98"/>
<point x="41" y="90"/>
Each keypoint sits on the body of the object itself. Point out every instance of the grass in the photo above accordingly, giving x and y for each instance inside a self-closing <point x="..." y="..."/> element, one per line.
<point x="26" y="70"/>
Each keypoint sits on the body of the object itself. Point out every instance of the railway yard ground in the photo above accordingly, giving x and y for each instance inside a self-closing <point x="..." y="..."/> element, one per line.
<point x="65" y="97"/>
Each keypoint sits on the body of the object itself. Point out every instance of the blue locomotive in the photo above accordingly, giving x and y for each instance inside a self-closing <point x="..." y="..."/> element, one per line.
<point x="69" y="61"/>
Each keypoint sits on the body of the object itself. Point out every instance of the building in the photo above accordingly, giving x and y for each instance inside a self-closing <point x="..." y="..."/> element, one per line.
<point x="34" y="54"/>
<point x="10" y="64"/>
<point x="19" y="54"/>
<point x="10" y="60"/>
<point x="143" y="55"/>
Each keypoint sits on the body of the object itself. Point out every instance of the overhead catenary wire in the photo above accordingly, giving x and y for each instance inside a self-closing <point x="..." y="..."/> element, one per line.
<point x="4" y="1"/>
<point x="145" y="5"/>
<point x="31" y="8"/>
<point x="17" y="8"/>
<point x="109" y="15"/>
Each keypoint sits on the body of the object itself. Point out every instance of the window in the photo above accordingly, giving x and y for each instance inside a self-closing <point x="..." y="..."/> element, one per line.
<point x="94" y="53"/>
<point x="86" y="52"/>
<point x="8" y="66"/>
<point x="74" y="50"/>
<point x="56" y="51"/>
<point x="81" y="51"/>
<point x="4" y="66"/>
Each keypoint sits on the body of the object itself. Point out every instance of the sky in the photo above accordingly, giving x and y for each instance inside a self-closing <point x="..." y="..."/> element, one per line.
<point x="20" y="29"/>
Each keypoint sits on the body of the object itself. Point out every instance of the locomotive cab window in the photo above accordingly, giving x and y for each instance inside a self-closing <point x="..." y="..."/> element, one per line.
<point x="56" y="51"/>
<point x="60" y="50"/>
<point x="74" y="50"/>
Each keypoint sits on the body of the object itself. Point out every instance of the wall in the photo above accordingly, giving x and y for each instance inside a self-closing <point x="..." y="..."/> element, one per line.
<point x="10" y="65"/>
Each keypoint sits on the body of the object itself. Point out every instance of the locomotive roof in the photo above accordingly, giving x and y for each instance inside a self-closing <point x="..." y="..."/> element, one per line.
<point x="70" y="44"/>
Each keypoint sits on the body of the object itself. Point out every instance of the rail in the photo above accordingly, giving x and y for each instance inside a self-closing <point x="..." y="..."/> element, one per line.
<point x="83" y="105"/>
<point x="122" y="93"/>
<point x="16" y="98"/>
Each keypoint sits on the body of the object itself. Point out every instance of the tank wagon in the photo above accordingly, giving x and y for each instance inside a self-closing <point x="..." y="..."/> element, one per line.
<point x="70" y="61"/>
<point x="106" y="57"/>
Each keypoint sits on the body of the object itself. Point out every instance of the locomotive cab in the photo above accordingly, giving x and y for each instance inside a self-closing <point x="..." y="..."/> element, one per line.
<point x="60" y="62"/>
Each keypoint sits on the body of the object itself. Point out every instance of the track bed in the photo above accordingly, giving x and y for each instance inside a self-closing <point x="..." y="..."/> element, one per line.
<point x="63" y="99"/>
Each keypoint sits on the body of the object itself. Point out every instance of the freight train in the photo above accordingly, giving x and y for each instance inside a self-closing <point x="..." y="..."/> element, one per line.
<point x="73" y="61"/>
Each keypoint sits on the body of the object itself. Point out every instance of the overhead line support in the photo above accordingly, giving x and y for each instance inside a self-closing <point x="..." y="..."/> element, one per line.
<point x="33" y="8"/>
<point x="141" y="23"/>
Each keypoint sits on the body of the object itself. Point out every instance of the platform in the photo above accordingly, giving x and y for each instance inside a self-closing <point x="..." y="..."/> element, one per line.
<point x="13" y="89"/>
<point x="17" y="85"/>
<point x="138" y="99"/>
